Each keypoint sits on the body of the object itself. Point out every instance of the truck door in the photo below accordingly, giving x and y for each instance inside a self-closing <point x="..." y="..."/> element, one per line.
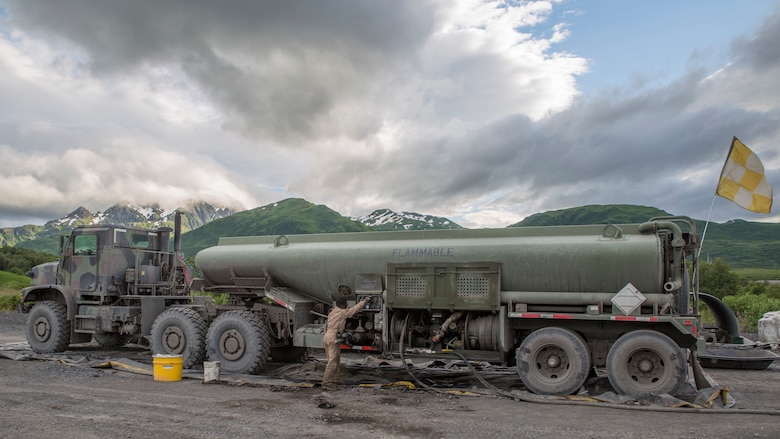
<point x="82" y="269"/>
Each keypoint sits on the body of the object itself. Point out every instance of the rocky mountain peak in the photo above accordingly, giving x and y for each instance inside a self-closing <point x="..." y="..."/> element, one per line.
<point x="151" y="217"/>
<point x="386" y="219"/>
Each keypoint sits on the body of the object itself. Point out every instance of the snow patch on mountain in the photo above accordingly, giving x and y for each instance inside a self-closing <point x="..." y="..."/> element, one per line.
<point x="386" y="219"/>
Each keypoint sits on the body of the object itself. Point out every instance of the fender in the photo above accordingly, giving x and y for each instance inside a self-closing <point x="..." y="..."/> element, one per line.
<point x="57" y="293"/>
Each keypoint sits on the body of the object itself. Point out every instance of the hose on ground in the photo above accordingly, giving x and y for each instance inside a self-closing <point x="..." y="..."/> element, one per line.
<point x="406" y="366"/>
<point x="543" y="399"/>
<point x="546" y="399"/>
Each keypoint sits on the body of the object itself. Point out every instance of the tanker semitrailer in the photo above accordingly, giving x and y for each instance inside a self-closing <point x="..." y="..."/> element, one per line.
<point x="557" y="301"/>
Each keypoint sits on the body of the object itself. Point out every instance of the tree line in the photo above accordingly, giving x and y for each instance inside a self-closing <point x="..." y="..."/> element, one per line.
<point x="749" y="299"/>
<point x="20" y="260"/>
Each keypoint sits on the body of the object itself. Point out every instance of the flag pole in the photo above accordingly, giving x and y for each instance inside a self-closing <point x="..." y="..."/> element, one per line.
<point x="697" y="259"/>
<point x="706" y="223"/>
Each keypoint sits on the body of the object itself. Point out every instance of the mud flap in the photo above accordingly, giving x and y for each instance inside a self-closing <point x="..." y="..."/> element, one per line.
<point x="700" y="378"/>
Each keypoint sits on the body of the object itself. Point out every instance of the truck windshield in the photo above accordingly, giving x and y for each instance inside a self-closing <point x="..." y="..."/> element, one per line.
<point x="134" y="239"/>
<point x="84" y="245"/>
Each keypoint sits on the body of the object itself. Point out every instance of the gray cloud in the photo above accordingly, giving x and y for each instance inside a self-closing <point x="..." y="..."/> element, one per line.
<point x="275" y="69"/>
<point x="663" y="148"/>
<point x="409" y="105"/>
<point x="761" y="50"/>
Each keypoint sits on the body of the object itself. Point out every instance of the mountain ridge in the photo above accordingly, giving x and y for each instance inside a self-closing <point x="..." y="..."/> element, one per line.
<point x="743" y="244"/>
<point x="195" y="215"/>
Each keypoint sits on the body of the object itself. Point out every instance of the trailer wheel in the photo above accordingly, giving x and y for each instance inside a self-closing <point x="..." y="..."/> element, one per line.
<point x="240" y="341"/>
<point x="48" y="328"/>
<point x="180" y="331"/>
<point x="646" y="362"/>
<point x="553" y="361"/>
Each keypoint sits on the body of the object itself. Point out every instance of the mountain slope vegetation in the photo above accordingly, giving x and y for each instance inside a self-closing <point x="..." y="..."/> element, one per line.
<point x="286" y="217"/>
<point x="743" y="244"/>
<point x="593" y="214"/>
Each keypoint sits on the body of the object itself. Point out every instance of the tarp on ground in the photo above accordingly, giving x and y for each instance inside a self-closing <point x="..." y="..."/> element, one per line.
<point x="451" y="376"/>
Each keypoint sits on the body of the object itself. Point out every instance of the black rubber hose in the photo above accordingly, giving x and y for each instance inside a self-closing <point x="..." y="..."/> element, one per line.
<point x="403" y="360"/>
<point x="724" y="316"/>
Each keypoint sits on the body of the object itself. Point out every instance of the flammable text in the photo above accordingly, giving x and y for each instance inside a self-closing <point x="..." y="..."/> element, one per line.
<point x="423" y="252"/>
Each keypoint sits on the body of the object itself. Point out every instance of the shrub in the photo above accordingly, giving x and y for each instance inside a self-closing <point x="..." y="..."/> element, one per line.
<point x="718" y="279"/>
<point x="752" y="307"/>
<point x="9" y="302"/>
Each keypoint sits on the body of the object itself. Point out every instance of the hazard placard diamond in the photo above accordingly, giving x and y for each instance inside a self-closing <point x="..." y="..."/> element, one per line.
<point x="628" y="299"/>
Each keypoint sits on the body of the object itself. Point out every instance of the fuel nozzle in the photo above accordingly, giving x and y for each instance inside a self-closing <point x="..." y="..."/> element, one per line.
<point x="439" y="333"/>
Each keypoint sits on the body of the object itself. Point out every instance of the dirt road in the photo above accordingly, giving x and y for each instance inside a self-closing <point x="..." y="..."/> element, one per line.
<point x="52" y="399"/>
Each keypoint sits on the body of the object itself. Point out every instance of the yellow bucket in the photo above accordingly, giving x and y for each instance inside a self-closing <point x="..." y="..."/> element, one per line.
<point x="167" y="367"/>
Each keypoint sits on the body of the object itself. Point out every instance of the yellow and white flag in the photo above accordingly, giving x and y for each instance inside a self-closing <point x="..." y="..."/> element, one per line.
<point x="742" y="180"/>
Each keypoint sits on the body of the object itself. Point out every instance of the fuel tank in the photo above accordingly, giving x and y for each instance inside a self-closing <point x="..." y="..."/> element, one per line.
<point x="560" y="259"/>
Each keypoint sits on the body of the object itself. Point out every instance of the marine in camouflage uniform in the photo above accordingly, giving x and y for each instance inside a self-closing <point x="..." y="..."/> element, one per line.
<point x="337" y="319"/>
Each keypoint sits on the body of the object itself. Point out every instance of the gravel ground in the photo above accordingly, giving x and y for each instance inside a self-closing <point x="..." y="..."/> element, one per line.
<point x="48" y="399"/>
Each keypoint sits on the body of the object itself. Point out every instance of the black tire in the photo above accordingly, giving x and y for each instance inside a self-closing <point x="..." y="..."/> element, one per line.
<point x="180" y="331"/>
<point x="642" y="362"/>
<point x="553" y="361"/>
<point x="48" y="328"/>
<point x="240" y="341"/>
<point x="111" y="339"/>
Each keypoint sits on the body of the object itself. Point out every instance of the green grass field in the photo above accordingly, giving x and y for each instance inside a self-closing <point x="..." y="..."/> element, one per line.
<point x="758" y="273"/>
<point x="12" y="280"/>
<point x="10" y="285"/>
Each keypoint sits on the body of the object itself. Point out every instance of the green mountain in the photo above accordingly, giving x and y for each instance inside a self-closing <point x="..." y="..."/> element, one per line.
<point x="743" y="244"/>
<point x="287" y="217"/>
<point x="593" y="214"/>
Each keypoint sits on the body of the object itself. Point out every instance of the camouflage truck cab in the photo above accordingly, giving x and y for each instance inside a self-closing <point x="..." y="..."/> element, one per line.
<point x="110" y="283"/>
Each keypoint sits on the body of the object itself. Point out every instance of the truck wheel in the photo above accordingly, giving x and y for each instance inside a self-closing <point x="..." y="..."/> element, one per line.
<point x="48" y="328"/>
<point x="180" y="331"/>
<point x="240" y="341"/>
<point x="646" y="362"/>
<point x="553" y="361"/>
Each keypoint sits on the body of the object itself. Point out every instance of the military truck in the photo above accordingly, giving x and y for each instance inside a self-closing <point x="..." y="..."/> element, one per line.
<point x="558" y="302"/>
<point x="110" y="284"/>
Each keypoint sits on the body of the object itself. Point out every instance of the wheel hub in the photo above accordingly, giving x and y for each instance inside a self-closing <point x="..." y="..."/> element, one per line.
<point x="552" y="363"/>
<point x="42" y="329"/>
<point x="646" y="367"/>
<point x="231" y="344"/>
<point x="173" y="339"/>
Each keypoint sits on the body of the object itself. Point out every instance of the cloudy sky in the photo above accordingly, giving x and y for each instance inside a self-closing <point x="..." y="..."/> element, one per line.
<point x="480" y="111"/>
